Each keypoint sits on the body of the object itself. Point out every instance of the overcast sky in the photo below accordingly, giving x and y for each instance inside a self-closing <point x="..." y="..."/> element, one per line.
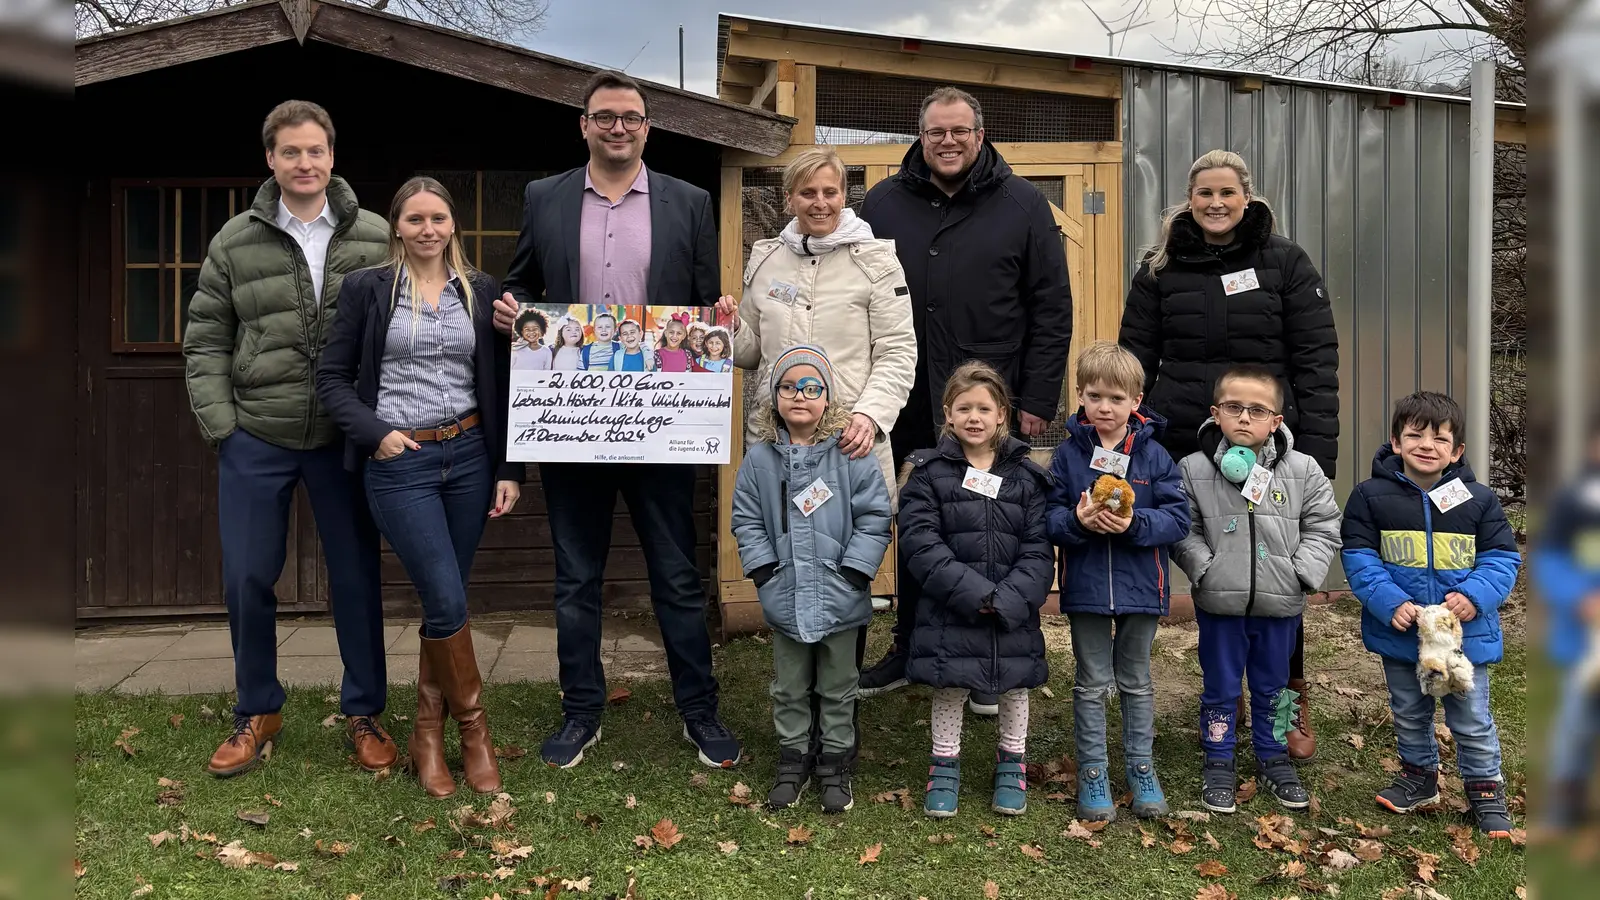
<point x="609" y="34"/>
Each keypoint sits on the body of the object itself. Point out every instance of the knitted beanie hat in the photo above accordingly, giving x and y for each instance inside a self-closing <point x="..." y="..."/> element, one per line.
<point x="801" y="355"/>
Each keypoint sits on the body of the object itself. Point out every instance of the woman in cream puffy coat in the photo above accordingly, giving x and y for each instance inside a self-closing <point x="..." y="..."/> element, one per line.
<point x="827" y="282"/>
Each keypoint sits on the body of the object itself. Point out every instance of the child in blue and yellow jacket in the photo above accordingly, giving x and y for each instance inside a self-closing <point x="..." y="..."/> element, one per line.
<point x="1422" y="531"/>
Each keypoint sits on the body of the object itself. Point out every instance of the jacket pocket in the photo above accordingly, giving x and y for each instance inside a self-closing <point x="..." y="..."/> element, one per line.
<point x="1004" y="356"/>
<point x="244" y="358"/>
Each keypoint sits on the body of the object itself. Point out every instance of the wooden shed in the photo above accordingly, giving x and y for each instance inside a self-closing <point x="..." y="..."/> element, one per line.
<point x="168" y="137"/>
<point x="1109" y="142"/>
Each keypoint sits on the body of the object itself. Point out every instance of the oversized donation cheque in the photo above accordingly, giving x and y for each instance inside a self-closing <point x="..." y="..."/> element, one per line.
<point x="641" y="384"/>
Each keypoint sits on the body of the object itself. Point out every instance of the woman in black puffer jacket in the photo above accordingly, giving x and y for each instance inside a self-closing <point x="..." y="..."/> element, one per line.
<point x="972" y="533"/>
<point x="1220" y="288"/>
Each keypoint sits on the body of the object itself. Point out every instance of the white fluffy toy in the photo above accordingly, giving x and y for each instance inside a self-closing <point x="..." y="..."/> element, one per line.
<point x="1441" y="666"/>
<point x="1589" y="667"/>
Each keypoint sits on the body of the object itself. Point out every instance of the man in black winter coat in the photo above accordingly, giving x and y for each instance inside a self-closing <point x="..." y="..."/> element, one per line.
<point x="987" y="273"/>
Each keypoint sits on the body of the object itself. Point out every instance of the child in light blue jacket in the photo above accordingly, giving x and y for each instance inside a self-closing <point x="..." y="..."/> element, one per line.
<point x="812" y="526"/>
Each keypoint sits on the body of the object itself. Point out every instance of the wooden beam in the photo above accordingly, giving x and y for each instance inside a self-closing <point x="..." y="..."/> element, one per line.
<point x="740" y="74"/>
<point x="730" y="256"/>
<point x="735" y="93"/>
<point x="1511" y="125"/>
<point x="805" y="105"/>
<point x="1244" y="84"/>
<point x="300" y="14"/>
<point x="538" y="75"/>
<point x="921" y="65"/>
<point x="180" y="41"/>
<point x="769" y="83"/>
<point x="890" y="154"/>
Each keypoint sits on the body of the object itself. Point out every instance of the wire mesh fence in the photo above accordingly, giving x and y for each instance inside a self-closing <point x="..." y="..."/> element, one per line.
<point x="866" y="108"/>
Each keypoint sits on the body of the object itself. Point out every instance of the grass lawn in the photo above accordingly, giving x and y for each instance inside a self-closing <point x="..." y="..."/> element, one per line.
<point x="351" y="833"/>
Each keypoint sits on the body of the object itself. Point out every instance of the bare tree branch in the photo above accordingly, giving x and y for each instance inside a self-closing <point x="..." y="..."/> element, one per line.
<point x="505" y="20"/>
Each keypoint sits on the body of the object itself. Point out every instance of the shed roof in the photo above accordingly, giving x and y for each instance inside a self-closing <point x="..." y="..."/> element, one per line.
<point x="127" y="52"/>
<point x="726" y="20"/>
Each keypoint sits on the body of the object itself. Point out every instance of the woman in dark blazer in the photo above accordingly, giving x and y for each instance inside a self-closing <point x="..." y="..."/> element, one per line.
<point x="417" y="377"/>
<point x="1222" y="287"/>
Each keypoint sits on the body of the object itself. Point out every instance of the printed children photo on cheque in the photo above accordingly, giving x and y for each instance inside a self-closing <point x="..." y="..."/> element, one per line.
<point x="621" y="339"/>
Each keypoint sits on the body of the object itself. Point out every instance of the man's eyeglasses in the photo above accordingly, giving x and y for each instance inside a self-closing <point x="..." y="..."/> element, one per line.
<point x="605" y="120"/>
<point x="1239" y="410"/>
<point x="936" y="135"/>
<point x="811" y="391"/>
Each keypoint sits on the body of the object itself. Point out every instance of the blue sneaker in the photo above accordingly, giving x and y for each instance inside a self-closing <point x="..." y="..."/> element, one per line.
<point x="564" y="749"/>
<point x="1094" y="795"/>
<point x="718" y="748"/>
<point x="1010" y="784"/>
<point x="944" y="782"/>
<point x="1148" y="801"/>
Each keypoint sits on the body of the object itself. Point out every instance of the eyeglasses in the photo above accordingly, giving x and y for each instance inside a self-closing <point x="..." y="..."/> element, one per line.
<point x="811" y="391"/>
<point x="936" y="135"/>
<point x="630" y="121"/>
<point x="1239" y="410"/>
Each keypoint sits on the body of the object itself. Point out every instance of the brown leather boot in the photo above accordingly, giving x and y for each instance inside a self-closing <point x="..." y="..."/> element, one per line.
<point x="253" y="738"/>
<point x="373" y="748"/>
<point x="426" y="744"/>
<point x="456" y="668"/>
<point x="1301" y="740"/>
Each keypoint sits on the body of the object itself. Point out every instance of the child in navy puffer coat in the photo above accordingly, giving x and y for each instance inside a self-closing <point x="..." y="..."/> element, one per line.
<point x="972" y="531"/>
<point x="1114" y="570"/>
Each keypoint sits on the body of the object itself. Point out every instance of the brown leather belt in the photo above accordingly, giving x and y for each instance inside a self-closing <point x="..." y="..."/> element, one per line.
<point x="445" y="433"/>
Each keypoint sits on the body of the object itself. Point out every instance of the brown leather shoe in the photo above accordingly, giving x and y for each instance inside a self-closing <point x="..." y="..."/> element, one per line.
<point x="252" y="740"/>
<point x="456" y="669"/>
<point x="426" y="744"/>
<point x="374" y="749"/>
<point x="1301" y="740"/>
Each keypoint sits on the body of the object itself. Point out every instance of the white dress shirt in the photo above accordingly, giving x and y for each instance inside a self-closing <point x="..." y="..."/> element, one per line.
<point x="313" y="238"/>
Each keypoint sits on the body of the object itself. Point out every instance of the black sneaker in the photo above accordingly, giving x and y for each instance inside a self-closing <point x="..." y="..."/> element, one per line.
<point x="983" y="704"/>
<point x="888" y="674"/>
<point x="564" y="749"/>
<point x="1413" y="788"/>
<point x="1281" y="779"/>
<point x="1488" y="799"/>
<point x="833" y="780"/>
<point x="1219" y="785"/>
<point x="718" y="748"/>
<point x="794" y="775"/>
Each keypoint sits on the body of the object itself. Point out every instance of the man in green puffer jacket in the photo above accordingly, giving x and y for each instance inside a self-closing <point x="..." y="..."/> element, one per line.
<point x="266" y="300"/>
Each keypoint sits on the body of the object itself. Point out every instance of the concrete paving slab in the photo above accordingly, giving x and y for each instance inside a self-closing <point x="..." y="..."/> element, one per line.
<point x="181" y="676"/>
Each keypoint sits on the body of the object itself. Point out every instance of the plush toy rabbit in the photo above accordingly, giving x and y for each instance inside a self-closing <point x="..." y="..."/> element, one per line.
<point x="1114" y="494"/>
<point x="1441" y="666"/>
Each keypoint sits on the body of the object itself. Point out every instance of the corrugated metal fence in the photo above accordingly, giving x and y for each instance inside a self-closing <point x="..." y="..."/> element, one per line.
<point x="1377" y="197"/>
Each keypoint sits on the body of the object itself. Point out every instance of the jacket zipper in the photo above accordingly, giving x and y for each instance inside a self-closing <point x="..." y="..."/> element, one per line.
<point x="1427" y="535"/>
<point x="305" y="329"/>
<point x="783" y="494"/>
<point x="1111" y="586"/>
<point x="1251" y="515"/>
<point x="994" y="632"/>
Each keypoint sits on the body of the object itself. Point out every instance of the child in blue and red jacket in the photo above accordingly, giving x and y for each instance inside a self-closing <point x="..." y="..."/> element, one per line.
<point x="1114" y="570"/>
<point x="1423" y="532"/>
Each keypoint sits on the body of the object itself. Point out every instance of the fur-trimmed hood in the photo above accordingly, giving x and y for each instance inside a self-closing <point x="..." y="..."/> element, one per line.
<point x="767" y="426"/>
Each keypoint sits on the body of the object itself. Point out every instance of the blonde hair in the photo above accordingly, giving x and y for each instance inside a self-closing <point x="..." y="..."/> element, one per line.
<point x="807" y="165"/>
<point x="1110" y="364"/>
<point x="559" y="329"/>
<point x="455" y="256"/>
<point x="977" y="374"/>
<point x="1156" y="254"/>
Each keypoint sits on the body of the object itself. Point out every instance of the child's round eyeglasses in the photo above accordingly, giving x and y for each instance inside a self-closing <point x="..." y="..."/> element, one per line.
<point x="1238" y="410"/>
<point x="811" y="391"/>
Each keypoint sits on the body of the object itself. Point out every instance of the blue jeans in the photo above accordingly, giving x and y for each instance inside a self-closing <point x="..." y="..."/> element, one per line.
<point x="1232" y="648"/>
<point x="1104" y="660"/>
<point x="431" y="505"/>
<point x="1573" y="733"/>
<point x="1470" y="722"/>
<point x="582" y="501"/>
<point x="255" y="482"/>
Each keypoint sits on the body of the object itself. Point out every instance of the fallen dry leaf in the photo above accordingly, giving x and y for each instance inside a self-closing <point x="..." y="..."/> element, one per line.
<point x="287" y="866"/>
<point x="1347" y="691"/>
<point x="427" y="825"/>
<point x="332" y="848"/>
<point x="740" y="795"/>
<point x="1032" y="851"/>
<point x="1366" y="850"/>
<point x="1519" y="837"/>
<point x="306" y="832"/>
<point x="799" y="834"/>
<point x="207" y="713"/>
<point x="698" y="780"/>
<point x="991" y="891"/>
<point x="728" y="848"/>
<point x="176" y="720"/>
<point x="254" y="817"/>
<point x="122" y="740"/>
<point x="1048" y="694"/>
<point x="643" y="841"/>
<point x="1215" y="891"/>
<point x="1294" y="868"/>
<point x="332" y="720"/>
<point x="78" y="870"/>
<point x="1077" y="831"/>
<point x="1146" y="839"/>
<point x="581" y="886"/>
<point x="1427" y="864"/>
<point x="1338" y="860"/>
<point x="1180" y="847"/>
<point x="161" y="837"/>
<point x="1356" y="741"/>
<point x="234" y="855"/>
<point x="590" y="821"/>
<point x="549" y="796"/>
<point x="945" y="838"/>
<point x="1193" y="816"/>
<point x="1212" y="842"/>
<point x="1211" y="868"/>
<point x="1246" y="792"/>
<point x="619" y="695"/>
<point x="1391" y="765"/>
<point x="1462" y="844"/>
<point x="270" y="799"/>
<point x="142" y="890"/>
<point x="630" y="802"/>
<point x="870" y="855"/>
<point x="666" y="834"/>
<point x="986" y="830"/>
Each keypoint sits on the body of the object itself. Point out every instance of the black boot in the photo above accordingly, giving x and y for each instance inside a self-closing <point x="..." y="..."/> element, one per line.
<point x="1488" y="800"/>
<point x="833" y="780"/>
<point x="1284" y="782"/>
<point x="1414" y="787"/>
<point x="794" y="774"/>
<point x="1219" y="784"/>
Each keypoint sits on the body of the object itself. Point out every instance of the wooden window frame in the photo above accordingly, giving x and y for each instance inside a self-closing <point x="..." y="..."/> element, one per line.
<point x="474" y="250"/>
<point x="120" y="265"/>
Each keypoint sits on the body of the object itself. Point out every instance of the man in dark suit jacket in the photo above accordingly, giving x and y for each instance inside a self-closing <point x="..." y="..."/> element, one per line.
<point x="615" y="233"/>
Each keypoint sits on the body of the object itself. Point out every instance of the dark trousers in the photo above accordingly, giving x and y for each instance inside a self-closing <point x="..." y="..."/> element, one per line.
<point x="256" y="481"/>
<point x="1253" y="648"/>
<point x="914" y="430"/>
<point x="432" y="504"/>
<point x="581" y="498"/>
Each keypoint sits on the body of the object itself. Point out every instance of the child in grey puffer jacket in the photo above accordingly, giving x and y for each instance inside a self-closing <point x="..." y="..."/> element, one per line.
<point x="812" y="526"/>
<point x="1251" y="562"/>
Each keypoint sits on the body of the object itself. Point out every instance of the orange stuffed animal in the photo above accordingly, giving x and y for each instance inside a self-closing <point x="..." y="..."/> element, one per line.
<point x="1114" y="494"/>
